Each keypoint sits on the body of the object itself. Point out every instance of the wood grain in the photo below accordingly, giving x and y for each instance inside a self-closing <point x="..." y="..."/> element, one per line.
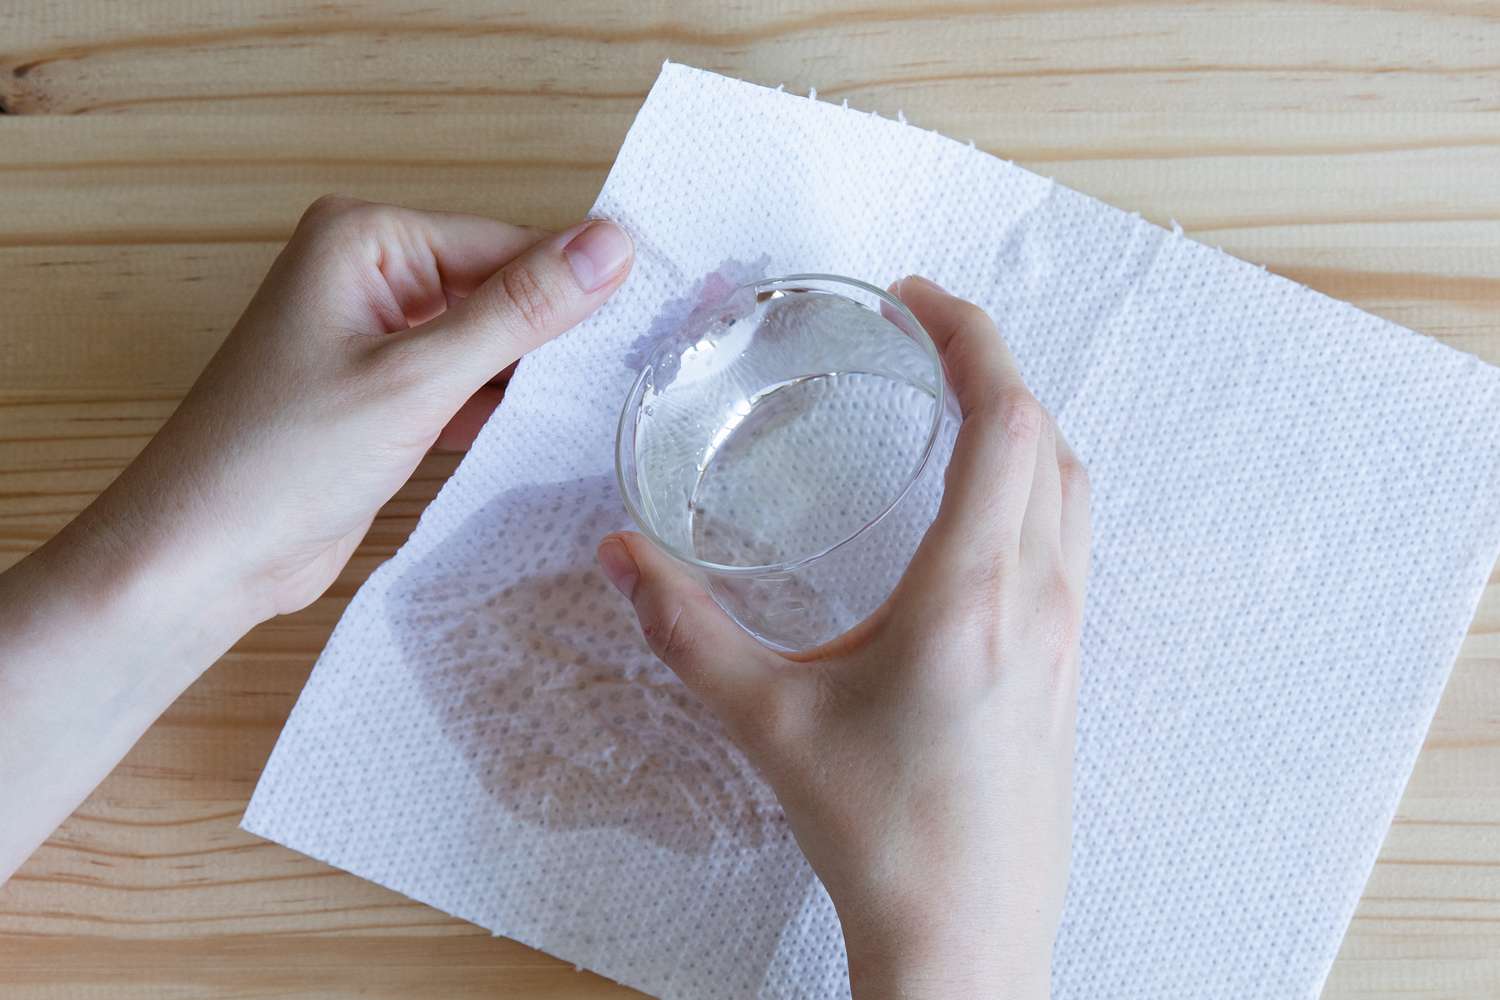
<point x="151" y="168"/>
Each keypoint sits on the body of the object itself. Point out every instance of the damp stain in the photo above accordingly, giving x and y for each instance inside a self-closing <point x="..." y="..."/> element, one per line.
<point x="538" y="675"/>
<point x="696" y="307"/>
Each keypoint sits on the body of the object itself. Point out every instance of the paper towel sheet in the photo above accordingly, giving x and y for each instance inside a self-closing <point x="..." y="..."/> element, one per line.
<point x="1297" y="505"/>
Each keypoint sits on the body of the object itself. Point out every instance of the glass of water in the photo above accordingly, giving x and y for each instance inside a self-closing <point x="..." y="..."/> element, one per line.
<point x="789" y="445"/>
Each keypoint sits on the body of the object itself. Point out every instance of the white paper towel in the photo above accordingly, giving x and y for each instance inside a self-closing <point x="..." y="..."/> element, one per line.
<point x="1297" y="505"/>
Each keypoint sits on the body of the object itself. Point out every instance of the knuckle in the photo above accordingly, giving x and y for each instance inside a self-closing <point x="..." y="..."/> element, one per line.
<point x="1059" y="665"/>
<point x="336" y="216"/>
<point x="1062" y="603"/>
<point x="664" y="632"/>
<point x="1075" y="478"/>
<point x="328" y="207"/>
<point x="329" y="204"/>
<point x="964" y="320"/>
<point x="1056" y="593"/>
<point x="967" y="337"/>
<point x="526" y="298"/>
<point x="1021" y="417"/>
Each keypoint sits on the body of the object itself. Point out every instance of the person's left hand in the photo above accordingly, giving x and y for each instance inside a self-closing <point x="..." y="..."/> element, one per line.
<point x="379" y="332"/>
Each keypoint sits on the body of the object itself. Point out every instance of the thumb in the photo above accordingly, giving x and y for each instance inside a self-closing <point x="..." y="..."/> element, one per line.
<point x="716" y="659"/>
<point x="548" y="289"/>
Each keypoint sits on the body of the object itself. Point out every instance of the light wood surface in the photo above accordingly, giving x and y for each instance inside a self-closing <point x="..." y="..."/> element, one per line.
<point x="150" y="165"/>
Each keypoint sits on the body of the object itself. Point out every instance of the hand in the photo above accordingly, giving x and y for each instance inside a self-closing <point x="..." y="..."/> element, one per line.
<point x="925" y="759"/>
<point x="379" y="332"/>
<point x="376" y="335"/>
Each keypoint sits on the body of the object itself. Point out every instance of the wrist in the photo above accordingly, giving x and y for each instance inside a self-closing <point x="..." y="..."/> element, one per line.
<point x="164" y="607"/>
<point x="896" y="975"/>
<point x="947" y="955"/>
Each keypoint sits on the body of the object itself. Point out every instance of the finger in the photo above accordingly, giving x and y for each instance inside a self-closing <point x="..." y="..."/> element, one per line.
<point x="1076" y="527"/>
<point x="548" y="289"/>
<point x="1040" y="527"/>
<point x="690" y="633"/>
<point x="990" y="473"/>
<point x="979" y="365"/>
<point x="439" y="257"/>
<point x="412" y="262"/>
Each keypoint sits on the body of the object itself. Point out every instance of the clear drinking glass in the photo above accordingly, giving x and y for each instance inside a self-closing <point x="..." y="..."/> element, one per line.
<point x="789" y="445"/>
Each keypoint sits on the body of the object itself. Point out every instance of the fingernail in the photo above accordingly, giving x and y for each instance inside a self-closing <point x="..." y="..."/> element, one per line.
<point x="597" y="254"/>
<point x="928" y="282"/>
<point x="618" y="566"/>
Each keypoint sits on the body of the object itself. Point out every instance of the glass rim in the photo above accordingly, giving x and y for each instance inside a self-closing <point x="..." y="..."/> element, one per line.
<point x="625" y="431"/>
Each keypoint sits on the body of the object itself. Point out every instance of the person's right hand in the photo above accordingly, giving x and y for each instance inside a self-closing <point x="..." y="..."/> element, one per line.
<point x="380" y="332"/>
<point x="925" y="759"/>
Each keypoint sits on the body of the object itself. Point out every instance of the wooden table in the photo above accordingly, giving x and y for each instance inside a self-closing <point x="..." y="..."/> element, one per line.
<point x="151" y="166"/>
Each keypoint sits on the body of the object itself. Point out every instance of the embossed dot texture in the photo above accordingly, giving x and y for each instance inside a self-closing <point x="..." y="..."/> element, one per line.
<point x="1296" y="506"/>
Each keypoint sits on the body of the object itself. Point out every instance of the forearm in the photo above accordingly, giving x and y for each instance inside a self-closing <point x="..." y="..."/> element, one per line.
<point x="100" y="630"/>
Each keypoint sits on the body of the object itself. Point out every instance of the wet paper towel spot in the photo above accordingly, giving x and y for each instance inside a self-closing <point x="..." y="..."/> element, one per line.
<point x="538" y="673"/>
<point x="695" y="305"/>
